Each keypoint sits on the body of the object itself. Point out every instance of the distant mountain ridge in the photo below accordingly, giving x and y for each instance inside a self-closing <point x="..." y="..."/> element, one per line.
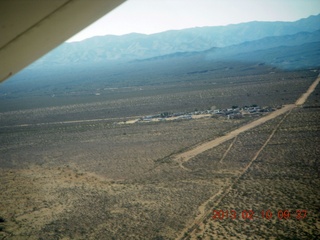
<point x="217" y="53"/>
<point x="141" y="46"/>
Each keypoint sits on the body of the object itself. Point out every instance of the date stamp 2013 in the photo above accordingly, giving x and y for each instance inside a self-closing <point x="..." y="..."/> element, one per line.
<point x="264" y="214"/>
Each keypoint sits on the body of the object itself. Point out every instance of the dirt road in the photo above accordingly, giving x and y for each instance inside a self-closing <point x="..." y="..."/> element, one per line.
<point x="185" y="156"/>
<point x="305" y="96"/>
<point x="198" y="222"/>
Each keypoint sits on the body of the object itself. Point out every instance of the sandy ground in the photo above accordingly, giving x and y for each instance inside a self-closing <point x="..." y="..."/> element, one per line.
<point x="185" y="156"/>
<point x="305" y="96"/>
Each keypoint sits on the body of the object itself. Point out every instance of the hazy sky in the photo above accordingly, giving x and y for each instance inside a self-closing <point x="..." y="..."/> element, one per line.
<point x="152" y="16"/>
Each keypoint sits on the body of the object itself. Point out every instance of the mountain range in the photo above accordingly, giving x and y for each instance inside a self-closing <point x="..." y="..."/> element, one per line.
<point x="138" y="59"/>
<point x="231" y="39"/>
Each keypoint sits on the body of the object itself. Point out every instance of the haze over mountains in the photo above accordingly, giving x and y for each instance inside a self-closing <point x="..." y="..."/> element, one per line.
<point x="251" y="36"/>
<point x="172" y="56"/>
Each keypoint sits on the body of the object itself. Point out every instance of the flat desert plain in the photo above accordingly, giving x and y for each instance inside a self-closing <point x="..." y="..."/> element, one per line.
<point x="202" y="178"/>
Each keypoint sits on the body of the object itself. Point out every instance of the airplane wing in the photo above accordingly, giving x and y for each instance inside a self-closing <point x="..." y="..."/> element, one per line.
<point x="31" y="28"/>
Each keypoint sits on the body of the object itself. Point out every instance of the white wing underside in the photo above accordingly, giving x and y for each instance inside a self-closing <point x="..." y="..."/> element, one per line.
<point x="31" y="28"/>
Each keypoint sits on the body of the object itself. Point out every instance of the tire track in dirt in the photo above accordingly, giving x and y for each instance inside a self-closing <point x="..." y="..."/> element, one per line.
<point x="184" y="168"/>
<point x="183" y="157"/>
<point x="228" y="150"/>
<point x="201" y="216"/>
<point x="198" y="221"/>
<point x="305" y="96"/>
<point x="96" y="120"/>
<point x="187" y="155"/>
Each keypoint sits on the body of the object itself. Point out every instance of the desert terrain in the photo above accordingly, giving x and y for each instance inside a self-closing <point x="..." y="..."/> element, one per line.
<point x="73" y="172"/>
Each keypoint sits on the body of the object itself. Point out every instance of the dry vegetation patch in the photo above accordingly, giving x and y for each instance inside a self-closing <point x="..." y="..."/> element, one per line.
<point x="284" y="177"/>
<point x="100" y="180"/>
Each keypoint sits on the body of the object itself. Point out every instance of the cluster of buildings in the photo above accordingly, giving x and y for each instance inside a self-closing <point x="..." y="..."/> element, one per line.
<point x="231" y="113"/>
<point x="236" y="112"/>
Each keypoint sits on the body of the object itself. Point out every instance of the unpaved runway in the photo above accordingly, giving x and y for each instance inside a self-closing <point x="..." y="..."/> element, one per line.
<point x="185" y="156"/>
<point x="305" y="96"/>
<point x="198" y="222"/>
